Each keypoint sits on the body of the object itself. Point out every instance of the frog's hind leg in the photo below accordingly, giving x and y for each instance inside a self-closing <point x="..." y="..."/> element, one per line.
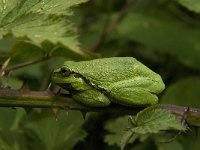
<point x="135" y="92"/>
<point x="91" y="98"/>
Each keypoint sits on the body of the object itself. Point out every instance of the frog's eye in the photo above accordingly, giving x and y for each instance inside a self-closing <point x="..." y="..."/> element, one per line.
<point x="65" y="72"/>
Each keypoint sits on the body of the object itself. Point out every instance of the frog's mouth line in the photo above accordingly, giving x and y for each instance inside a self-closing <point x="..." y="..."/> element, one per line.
<point x="66" y="86"/>
<point x="69" y="87"/>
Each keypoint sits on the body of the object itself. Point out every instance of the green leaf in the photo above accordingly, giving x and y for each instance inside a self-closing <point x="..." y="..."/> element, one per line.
<point x="117" y="130"/>
<point x="39" y="130"/>
<point x="53" y="135"/>
<point x="12" y="140"/>
<point x="40" y="20"/>
<point x="187" y="141"/>
<point x="184" y="92"/>
<point x="154" y="120"/>
<point x="147" y="121"/>
<point x="21" y="54"/>
<point x="171" y="145"/>
<point x="126" y="139"/>
<point x="6" y="6"/>
<point x="193" y="5"/>
<point x="10" y="118"/>
<point x="12" y="137"/>
<point x="158" y="29"/>
<point x="56" y="7"/>
<point x="190" y="140"/>
<point x="14" y="83"/>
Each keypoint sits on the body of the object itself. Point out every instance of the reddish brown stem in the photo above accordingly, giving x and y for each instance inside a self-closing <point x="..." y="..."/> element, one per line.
<point x="7" y="70"/>
<point x="26" y="98"/>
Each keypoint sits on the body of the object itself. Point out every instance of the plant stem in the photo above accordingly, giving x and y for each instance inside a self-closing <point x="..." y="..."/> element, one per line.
<point x="191" y="115"/>
<point x="7" y="70"/>
<point x="47" y="99"/>
<point x="27" y="98"/>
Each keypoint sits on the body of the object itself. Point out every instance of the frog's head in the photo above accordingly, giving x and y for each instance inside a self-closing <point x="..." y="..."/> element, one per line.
<point x="64" y="77"/>
<point x="60" y="75"/>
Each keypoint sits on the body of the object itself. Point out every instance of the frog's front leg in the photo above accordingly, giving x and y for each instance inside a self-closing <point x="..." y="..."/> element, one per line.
<point x="91" y="98"/>
<point x="135" y="92"/>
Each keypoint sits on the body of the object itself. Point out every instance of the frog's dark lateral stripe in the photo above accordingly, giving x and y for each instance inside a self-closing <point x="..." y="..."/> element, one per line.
<point x="77" y="75"/>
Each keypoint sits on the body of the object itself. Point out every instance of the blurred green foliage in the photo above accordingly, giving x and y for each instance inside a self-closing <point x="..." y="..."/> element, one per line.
<point x="162" y="34"/>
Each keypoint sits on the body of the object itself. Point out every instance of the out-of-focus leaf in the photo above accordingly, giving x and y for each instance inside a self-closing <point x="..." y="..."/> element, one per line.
<point x="144" y="145"/>
<point x="186" y="141"/>
<point x="14" y="83"/>
<point x="190" y="140"/>
<point x="12" y="140"/>
<point x="120" y="133"/>
<point x="193" y="5"/>
<point x="157" y="28"/>
<point x="95" y="31"/>
<point x="61" y="134"/>
<point x="184" y="92"/>
<point x="5" y="46"/>
<point x="154" y="120"/>
<point x="32" y="19"/>
<point x="6" y="43"/>
<point x="167" y="141"/>
<point x="128" y="137"/>
<point x="117" y="130"/>
<point x="12" y="137"/>
<point x="39" y="130"/>
<point x="20" y="52"/>
<point x="171" y="145"/>
<point x="10" y="118"/>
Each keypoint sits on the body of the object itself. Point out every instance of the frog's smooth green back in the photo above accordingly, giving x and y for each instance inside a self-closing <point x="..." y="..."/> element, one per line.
<point x="104" y="72"/>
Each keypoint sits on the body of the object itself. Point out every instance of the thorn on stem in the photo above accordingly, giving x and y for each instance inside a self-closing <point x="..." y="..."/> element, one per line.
<point x="184" y="117"/>
<point x="132" y="121"/>
<point x="66" y="107"/>
<point x="56" y="111"/>
<point x="4" y="66"/>
<point x="25" y="86"/>
<point x="49" y="86"/>
<point x="58" y="91"/>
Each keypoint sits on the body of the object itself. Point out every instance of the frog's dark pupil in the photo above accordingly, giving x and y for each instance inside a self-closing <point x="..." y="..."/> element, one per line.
<point x="65" y="72"/>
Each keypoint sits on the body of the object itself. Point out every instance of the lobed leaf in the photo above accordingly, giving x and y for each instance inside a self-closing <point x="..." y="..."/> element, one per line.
<point x="40" y="20"/>
<point x="117" y="130"/>
<point x="61" y="134"/>
<point x="154" y="120"/>
<point x="193" y="5"/>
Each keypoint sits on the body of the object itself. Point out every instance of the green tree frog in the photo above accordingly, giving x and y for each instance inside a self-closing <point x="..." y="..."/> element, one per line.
<point x="98" y="82"/>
